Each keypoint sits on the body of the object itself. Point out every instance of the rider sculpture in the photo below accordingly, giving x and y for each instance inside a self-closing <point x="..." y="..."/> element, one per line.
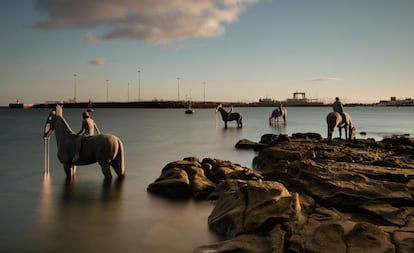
<point x="88" y="127"/>
<point x="339" y="108"/>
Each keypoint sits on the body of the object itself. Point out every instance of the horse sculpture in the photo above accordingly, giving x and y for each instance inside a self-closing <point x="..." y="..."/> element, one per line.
<point x="335" y="119"/>
<point x="278" y="112"/>
<point x="107" y="150"/>
<point x="230" y="116"/>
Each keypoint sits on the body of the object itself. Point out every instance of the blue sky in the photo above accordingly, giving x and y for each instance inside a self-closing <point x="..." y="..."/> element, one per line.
<point x="225" y="50"/>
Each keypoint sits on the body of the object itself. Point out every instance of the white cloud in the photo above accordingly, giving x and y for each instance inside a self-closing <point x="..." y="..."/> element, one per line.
<point x="323" y="79"/>
<point x="153" y="21"/>
<point x="98" y="61"/>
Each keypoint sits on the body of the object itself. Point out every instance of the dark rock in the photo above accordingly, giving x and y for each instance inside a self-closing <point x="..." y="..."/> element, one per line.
<point x="305" y="195"/>
<point x="398" y="141"/>
<point x="183" y="179"/>
<point x="314" y="136"/>
<point x="173" y="183"/>
<point x="272" y="139"/>
<point x="243" y="244"/>
<point x="251" y="206"/>
<point x="247" y="144"/>
<point x="367" y="238"/>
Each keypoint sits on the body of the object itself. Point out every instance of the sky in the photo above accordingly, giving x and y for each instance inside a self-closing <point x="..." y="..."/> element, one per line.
<point x="214" y="50"/>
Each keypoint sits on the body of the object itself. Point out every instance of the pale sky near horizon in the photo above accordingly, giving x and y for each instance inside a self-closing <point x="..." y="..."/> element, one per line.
<point x="225" y="50"/>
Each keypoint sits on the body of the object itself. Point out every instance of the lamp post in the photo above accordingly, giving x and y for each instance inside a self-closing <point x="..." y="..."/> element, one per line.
<point x="128" y="92"/>
<point x="74" y="87"/>
<point x="107" y="91"/>
<point x="204" y="86"/>
<point x="139" y="85"/>
<point x="178" y="88"/>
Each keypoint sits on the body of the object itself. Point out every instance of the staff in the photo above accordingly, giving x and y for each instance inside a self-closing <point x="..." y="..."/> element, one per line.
<point x="46" y="146"/>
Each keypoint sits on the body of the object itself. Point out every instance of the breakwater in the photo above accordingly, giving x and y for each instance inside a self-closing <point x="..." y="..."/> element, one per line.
<point x="156" y="104"/>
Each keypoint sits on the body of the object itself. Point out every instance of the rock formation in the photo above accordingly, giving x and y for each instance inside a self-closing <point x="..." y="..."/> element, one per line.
<point x="304" y="194"/>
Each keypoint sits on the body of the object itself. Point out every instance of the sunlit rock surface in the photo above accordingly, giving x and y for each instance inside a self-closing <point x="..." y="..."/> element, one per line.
<point x="304" y="194"/>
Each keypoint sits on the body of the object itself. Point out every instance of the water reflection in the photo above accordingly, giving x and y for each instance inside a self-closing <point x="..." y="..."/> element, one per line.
<point x="280" y="128"/>
<point x="77" y="211"/>
<point x="72" y="193"/>
<point x="46" y="200"/>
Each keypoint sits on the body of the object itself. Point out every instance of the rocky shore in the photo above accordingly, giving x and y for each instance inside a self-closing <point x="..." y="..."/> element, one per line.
<point x="304" y="194"/>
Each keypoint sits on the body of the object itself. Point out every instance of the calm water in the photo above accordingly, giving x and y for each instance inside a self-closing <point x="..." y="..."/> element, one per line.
<point x="44" y="214"/>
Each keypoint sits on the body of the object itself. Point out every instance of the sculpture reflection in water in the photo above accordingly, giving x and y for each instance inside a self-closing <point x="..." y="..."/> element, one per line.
<point x="72" y="211"/>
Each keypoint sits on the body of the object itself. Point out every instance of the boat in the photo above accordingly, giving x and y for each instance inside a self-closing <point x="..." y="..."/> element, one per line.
<point x="300" y="99"/>
<point x="189" y="110"/>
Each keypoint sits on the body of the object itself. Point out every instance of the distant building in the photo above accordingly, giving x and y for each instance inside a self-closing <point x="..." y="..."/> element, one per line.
<point x="397" y="102"/>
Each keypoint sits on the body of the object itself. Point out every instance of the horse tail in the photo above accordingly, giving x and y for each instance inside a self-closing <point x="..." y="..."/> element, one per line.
<point x="118" y="163"/>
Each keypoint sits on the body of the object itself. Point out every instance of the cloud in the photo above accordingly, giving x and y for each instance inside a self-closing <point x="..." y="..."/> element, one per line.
<point x="322" y="79"/>
<point x="153" y="21"/>
<point x="98" y="61"/>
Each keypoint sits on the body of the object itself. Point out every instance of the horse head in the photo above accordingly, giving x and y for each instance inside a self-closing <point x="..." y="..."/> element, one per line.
<point x="219" y="107"/>
<point x="50" y="124"/>
<point x="55" y="114"/>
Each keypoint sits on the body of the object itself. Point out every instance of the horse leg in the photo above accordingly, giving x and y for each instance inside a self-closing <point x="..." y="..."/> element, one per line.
<point x="118" y="163"/>
<point x="340" y="133"/>
<point x="106" y="170"/>
<point x="270" y="121"/>
<point x="118" y="170"/>
<point x="70" y="170"/>
<point x="346" y="133"/>
<point x="225" y="124"/>
<point x="240" y="123"/>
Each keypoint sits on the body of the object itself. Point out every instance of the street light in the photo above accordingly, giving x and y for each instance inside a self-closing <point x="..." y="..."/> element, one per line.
<point x="139" y="85"/>
<point x="128" y="92"/>
<point x="178" y="87"/>
<point x="74" y="87"/>
<point x="204" y="85"/>
<point x="107" y="91"/>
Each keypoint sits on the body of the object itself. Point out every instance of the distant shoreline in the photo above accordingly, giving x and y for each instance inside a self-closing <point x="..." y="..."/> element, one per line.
<point x="178" y="104"/>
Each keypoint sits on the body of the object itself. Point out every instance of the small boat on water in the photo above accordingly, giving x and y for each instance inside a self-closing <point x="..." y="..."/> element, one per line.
<point x="189" y="109"/>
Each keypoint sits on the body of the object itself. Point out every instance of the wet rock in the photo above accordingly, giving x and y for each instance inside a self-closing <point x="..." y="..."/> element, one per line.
<point x="247" y="144"/>
<point x="305" y="194"/>
<point x="243" y="243"/>
<point x="183" y="179"/>
<point x="314" y="136"/>
<point x="251" y="206"/>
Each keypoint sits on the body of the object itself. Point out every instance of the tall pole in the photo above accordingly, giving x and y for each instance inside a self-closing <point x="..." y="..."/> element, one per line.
<point x="128" y="92"/>
<point x="204" y="86"/>
<point x="107" y="91"/>
<point x="139" y="85"/>
<point x="74" y="87"/>
<point x="178" y="87"/>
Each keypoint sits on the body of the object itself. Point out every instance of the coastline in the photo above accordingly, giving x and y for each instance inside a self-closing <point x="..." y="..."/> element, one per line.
<point x="181" y="104"/>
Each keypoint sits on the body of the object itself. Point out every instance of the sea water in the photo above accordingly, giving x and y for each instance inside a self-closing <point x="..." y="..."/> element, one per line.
<point x="44" y="213"/>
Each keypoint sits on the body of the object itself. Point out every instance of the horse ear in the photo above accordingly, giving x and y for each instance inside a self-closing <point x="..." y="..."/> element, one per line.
<point x="59" y="110"/>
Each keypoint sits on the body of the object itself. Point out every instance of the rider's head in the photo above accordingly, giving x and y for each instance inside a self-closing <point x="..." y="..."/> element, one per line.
<point x="85" y="115"/>
<point x="337" y="98"/>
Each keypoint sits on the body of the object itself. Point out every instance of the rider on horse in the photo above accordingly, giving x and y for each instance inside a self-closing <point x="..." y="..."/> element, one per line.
<point x="89" y="126"/>
<point x="338" y="107"/>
